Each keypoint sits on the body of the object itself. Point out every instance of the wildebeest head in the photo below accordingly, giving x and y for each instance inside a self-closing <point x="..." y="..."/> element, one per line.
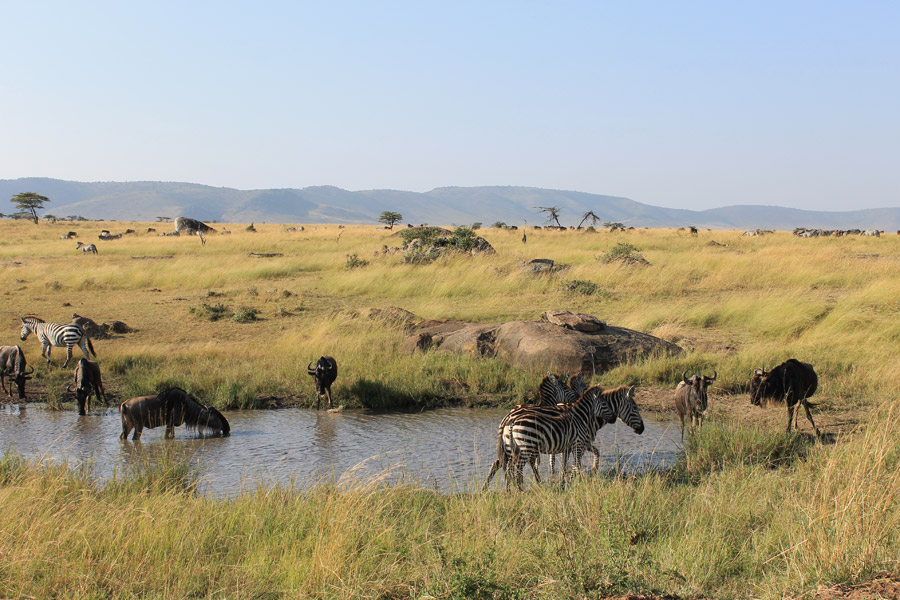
<point x="21" y="372"/>
<point x="698" y="384"/>
<point x="762" y="385"/>
<point x="324" y="373"/>
<point x="211" y="420"/>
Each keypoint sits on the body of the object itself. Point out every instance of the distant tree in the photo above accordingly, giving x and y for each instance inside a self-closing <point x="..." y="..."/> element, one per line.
<point x="476" y="225"/>
<point x="589" y="215"/>
<point x="552" y="213"/>
<point x="164" y="219"/>
<point x="2" y="216"/>
<point x="498" y="225"/>
<point x="28" y="203"/>
<point x="390" y="218"/>
<point x="51" y="218"/>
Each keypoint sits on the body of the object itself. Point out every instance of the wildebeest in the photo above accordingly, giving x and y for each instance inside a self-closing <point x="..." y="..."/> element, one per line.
<point x="68" y="235"/>
<point x="324" y="374"/>
<point x="793" y="380"/>
<point x="691" y="400"/>
<point x="85" y="248"/>
<point x="13" y="365"/>
<point x="87" y="383"/>
<point x="172" y="408"/>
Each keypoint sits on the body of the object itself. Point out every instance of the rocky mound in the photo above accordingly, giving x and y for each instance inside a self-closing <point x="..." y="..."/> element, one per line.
<point x="561" y="340"/>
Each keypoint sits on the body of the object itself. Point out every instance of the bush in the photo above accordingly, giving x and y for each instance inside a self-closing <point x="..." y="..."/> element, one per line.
<point x="245" y="314"/>
<point x="354" y="261"/>
<point x="625" y="253"/>
<point x="580" y="286"/>
<point x="211" y="312"/>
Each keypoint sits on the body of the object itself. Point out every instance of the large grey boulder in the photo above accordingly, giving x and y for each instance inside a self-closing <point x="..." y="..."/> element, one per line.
<point x="562" y="341"/>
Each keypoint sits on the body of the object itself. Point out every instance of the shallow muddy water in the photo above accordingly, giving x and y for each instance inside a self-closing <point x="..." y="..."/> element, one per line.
<point x="447" y="449"/>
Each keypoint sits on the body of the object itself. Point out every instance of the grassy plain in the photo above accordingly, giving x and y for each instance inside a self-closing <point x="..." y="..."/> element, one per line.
<point x="748" y="511"/>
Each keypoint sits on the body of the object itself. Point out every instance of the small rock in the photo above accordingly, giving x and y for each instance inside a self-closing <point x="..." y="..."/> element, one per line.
<point x="576" y="321"/>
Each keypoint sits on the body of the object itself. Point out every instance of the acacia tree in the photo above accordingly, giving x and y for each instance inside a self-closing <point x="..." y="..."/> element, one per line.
<point x="390" y="218"/>
<point x="589" y="215"/>
<point x="28" y="203"/>
<point x="552" y="213"/>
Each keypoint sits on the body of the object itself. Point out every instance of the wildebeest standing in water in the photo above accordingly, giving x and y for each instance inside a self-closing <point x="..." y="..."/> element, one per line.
<point x="87" y="383"/>
<point x="172" y="408"/>
<point x="691" y="399"/>
<point x="13" y="365"/>
<point x="324" y="374"/>
<point x="792" y="380"/>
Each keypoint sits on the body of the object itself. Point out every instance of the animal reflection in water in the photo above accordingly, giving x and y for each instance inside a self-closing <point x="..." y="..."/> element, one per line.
<point x="172" y="408"/>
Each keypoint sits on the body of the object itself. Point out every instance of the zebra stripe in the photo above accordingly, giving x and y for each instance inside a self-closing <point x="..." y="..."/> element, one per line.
<point x="528" y="431"/>
<point x="552" y="391"/>
<point x="57" y="334"/>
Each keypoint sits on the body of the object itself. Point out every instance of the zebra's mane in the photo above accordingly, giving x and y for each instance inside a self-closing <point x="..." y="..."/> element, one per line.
<point x="32" y="319"/>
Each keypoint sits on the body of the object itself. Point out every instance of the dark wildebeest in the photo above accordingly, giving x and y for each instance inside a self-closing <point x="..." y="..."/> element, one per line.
<point x="324" y="374"/>
<point x="691" y="399"/>
<point x="793" y="380"/>
<point x="171" y="408"/>
<point x="13" y="365"/>
<point x="88" y="383"/>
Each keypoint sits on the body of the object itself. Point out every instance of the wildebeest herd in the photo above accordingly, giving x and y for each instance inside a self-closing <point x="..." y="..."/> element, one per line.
<point x="565" y="421"/>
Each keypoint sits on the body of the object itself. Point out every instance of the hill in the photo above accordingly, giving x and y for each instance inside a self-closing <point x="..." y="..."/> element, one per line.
<point x="147" y="200"/>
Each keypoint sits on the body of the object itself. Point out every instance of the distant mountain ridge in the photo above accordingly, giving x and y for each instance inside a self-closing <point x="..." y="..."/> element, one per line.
<point x="147" y="200"/>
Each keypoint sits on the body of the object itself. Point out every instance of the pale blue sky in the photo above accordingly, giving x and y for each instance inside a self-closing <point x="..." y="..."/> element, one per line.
<point x="682" y="104"/>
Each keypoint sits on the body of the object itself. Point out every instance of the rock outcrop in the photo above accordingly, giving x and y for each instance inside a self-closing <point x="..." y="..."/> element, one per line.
<point x="562" y="340"/>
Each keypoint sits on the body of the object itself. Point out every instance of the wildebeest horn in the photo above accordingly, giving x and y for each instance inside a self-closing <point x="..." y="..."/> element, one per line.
<point x="309" y="367"/>
<point x="27" y="372"/>
<point x="715" y="375"/>
<point x="684" y="375"/>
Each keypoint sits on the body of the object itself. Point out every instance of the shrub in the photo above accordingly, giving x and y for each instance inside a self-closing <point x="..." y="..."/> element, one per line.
<point x="245" y="314"/>
<point x="580" y="286"/>
<point x="354" y="261"/>
<point x="211" y="312"/>
<point x="625" y="253"/>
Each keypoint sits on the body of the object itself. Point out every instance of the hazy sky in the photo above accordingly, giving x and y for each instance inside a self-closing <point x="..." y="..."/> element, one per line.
<point x="681" y="104"/>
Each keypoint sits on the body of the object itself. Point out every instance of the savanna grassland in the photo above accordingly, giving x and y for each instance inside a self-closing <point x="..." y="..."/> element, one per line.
<point x="748" y="511"/>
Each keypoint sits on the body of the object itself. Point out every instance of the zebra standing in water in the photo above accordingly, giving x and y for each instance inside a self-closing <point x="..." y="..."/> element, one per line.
<point x="528" y="432"/>
<point x="57" y="334"/>
<point x="554" y="395"/>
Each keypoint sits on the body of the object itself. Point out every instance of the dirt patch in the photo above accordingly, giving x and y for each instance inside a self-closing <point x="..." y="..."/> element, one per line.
<point x="887" y="587"/>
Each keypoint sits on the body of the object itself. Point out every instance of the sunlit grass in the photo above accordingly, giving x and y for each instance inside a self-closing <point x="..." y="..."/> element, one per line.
<point x="753" y="302"/>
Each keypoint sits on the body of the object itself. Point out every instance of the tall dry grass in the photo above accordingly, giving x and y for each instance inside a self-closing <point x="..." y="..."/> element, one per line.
<point x="755" y="301"/>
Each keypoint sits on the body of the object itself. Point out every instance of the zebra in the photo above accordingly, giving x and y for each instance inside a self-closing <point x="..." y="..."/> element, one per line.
<point x="552" y="430"/>
<point x="57" y="334"/>
<point x="85" y="248"/>
<point x="553" y="392"/>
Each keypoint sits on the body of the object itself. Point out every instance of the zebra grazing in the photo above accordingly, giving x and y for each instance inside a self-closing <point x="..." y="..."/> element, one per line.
<point x="85" y="248"/>
<point x="528" y="431"/>
<point x="57" y="334"/>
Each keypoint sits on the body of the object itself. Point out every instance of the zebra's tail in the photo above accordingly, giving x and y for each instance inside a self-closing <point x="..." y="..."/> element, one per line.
<point x="90" y="345"/>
